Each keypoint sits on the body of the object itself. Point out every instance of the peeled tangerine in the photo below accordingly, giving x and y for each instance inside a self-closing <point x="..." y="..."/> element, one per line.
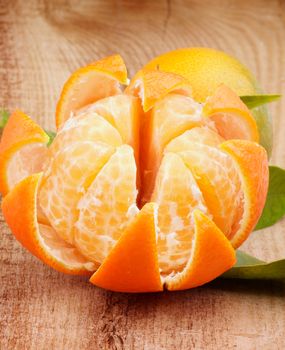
<point x="143" y="189"/>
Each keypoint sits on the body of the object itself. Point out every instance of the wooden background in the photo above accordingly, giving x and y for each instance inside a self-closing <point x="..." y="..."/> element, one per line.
<point x="41" y="42"/>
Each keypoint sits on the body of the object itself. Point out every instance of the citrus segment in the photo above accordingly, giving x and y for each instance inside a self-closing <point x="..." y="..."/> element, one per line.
<point x="203" y="135"/>
<point x="218" y="180"/>
<point x="19" y="209"/>
<point x="251" y="163"/>
<point x="124" y="113"/>
<point x="170" y="117"/>
<point x="153" y="85"/>
<point x="89" y="84"/>
<point x="66" y="179"/>
<point x="87" y="126"/>
<point x="211" y="255"/>
<point x="107" y="206"/>
<point x="232" y="118"/>
<point x="22" y="150"/>
<point x="177" y="195"/>
<point x="132" y="265"/>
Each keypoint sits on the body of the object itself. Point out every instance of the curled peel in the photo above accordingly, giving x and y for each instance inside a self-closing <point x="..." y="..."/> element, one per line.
<point x="21" y="135"/>
<point x="252" y="166"/>
<point x="231" y="116"/>
<point x="145" y="85"/>
<point x="20" y="211"/>
<point x="89" y="84"/>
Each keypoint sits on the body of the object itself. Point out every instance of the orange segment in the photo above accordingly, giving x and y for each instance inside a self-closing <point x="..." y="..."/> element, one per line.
<point x="22" y="150"/>
<point x="203" y="135"/>
<point x="218" y="180"/>
<point x="123" y="112"/>
<point x="89" y="84"/>
<point x="132" y="265"/>
<point x="252" y="165"/>
<point x="87" y="126"/>
<point x="177" y="195"/>
<point x="211" y="255"/>
<point x="66" y="179"/>
<point x="170" y="117"/>
<point x="19" y="209"/>
<point x="153" y="85"/>
<point x="107" y="206"/>
<point x="232" y="118"/>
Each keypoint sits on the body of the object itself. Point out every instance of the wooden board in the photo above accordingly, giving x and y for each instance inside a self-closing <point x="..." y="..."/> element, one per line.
<point x="41" y="42"/>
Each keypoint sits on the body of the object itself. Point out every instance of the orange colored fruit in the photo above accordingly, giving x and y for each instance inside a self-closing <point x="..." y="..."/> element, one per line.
<point x="232" y="118"/>
<point x="146" y="189"/>
<point x="206" y="69"/>
<point x="251" y="161"/>
<point x="20" y="210"/>
<point x="89" y="84"/>
<point x="212" y="254"/>
<point x="132" y="265"/>
<point x="145" y="85"/>
<point x="22" y="150"/>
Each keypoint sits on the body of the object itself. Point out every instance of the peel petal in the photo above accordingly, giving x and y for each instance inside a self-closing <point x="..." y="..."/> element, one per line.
<point x="231" y="116"/>
<point x="252" y="165"/>
<point x="132" y="265"/>
<point x="153" y="85"/>
<point x="20" y="212"/>
<point x="212" y="255"/>
<point x="21" y="135"/>
<point x="89" y="84"/>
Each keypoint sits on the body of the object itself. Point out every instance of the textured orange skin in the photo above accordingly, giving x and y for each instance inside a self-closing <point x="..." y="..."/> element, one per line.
<point x="154" y="85"/>
<point x="19" y="131"/>
<point x="20" y="212"/>
<point x="252" y="162"/>
<point x="225" y="100"/>
<point x="212" y="255"/>
<point x="132" y="265"/>
<point x="113" y="67"/>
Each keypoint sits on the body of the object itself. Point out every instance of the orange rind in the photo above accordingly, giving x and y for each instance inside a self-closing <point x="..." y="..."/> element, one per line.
<point x="41" y="240"/>
<point x="134" y="258"/>
<point x="89" y="84"/>
<point x="153" y="85"/>
<point x="144" y="189"/>
<point x="21" y="138"/>
<point x="232" y="118"/>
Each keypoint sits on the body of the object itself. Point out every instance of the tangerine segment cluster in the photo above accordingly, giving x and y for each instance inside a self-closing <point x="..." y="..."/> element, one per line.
<point x="144" y="187"/>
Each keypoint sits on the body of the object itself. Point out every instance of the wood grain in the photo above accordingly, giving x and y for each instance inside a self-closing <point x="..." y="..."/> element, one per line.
<point x="41" y="42"/>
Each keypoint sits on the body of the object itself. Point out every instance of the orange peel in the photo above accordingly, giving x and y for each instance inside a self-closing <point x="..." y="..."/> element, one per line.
<point x="232" y="118"/>
<point x="134" y="258"/>
<point x="153" y="85"/>
<point x="20" y="131"/>
<point x="41" y="240"/>
<point x="144" y="189"/>
<point x="98" y="80"/>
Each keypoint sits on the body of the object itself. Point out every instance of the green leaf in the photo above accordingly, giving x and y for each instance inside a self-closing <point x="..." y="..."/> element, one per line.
<point x="51" y="135"/>
<point x="248" y="267"/>
<point x="253" y="101"/>
<point x="4" y="115"/>
<point x="274" y="208"/>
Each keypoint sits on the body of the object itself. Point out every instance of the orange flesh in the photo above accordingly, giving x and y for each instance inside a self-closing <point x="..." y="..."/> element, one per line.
<point x="110" y="158"/>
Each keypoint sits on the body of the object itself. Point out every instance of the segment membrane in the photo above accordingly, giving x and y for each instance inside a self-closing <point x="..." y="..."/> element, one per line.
<point x="107" y="206"/>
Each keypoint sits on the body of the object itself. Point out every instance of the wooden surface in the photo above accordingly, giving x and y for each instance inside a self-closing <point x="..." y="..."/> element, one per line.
<point x="41" y="42"/>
